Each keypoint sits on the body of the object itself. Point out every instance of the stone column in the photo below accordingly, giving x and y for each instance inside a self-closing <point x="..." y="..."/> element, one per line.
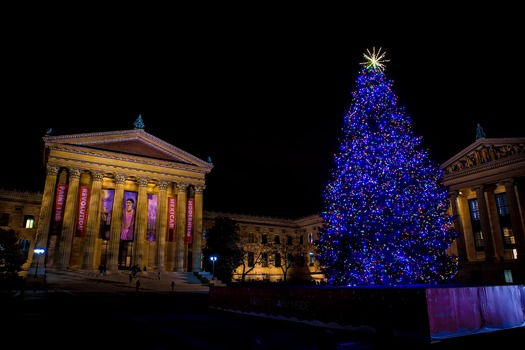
<point x="488" y="240"/>
<point x="181" y="227"/>
<point x="68" y="226"/>
<point x="517" y="226"/>
<point x="197" y="231"/>
<point x="162" y="223"/>
<point x="460" y="241"/>
<point x="141" y="222"/>
<point x="93" y="222"/>
<point x="44" y="219"/>
<point x="116" y="223"/>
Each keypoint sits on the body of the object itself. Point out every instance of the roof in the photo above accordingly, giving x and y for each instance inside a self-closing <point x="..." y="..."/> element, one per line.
<point x="135" y="142"/>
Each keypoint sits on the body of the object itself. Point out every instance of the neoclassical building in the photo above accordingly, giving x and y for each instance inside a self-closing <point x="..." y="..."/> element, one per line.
<point x="120" y="199"/>
<point x="275" y="246"/>
<point x="126" y="198"/>
<point x="486" y="182"/>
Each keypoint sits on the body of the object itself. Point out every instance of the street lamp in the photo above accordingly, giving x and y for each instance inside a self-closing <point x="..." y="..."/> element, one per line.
<point x="38" y="252"/>
<point x="213" y="259"/>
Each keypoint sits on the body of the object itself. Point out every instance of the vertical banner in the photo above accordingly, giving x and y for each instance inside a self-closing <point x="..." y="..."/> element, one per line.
<point x="82" y="213"/>
<point x="172" y="215"/>
<point x="189" y="222"/>
<point x="128" y="216"/>
<point x="152" y="217"/>
<point x="59" y="202"/>
<point x="105" y="213"/>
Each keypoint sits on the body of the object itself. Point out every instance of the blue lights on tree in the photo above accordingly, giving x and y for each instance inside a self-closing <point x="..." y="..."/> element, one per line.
<point x="385" y="205"/>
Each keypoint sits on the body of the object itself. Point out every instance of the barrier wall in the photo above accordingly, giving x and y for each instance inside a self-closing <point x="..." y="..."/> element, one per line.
<point x="426" y="313"/>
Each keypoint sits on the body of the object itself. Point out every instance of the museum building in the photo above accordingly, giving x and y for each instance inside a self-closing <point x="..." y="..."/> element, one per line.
<point x="120" y="199"/>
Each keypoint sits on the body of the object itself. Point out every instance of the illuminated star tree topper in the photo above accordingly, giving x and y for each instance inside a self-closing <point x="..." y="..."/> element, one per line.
<point x="375" y="60"/>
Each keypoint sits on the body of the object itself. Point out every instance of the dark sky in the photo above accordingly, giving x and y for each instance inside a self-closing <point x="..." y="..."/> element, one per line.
<point x="264" y="93"/>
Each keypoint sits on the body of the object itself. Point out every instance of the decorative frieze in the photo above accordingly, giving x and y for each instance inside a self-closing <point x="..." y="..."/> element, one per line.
<point x="485" y="154"/>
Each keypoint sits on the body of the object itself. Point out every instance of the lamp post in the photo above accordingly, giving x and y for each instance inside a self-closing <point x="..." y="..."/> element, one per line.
<point x="213" y="259"/>
<point x="38" y="252"/>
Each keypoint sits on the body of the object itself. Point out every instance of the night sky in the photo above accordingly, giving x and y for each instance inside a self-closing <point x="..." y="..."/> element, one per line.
<point x="264" y="95"/>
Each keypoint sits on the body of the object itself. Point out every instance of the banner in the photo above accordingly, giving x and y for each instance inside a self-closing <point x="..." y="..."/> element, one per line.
<point x="82" y="212"/>
<point x="128" y="216"/>
<point x="105" y="213"/>
<point x="59" y="202"/>
<point x="172" y="216"/>
<point x="152" y="218"/>
<point x="189" y="222"/>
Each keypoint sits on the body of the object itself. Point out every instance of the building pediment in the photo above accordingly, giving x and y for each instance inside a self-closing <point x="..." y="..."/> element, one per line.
<point x="485" y="153"/>
<point x="134" y="143"/>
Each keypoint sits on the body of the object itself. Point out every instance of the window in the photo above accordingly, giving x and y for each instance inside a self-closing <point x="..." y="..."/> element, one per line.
<point x="251" y="259"/>
<point x="311" y="238"/>
<point x="312" y="259"/>
<point x="4" y="219"/>
<point x="289" y="260"/>
<point x="505" y="222"/>
<point x="264" y="238"/>
<point x="264" y="259"/>
<point x="289" y="240"/>
<point x="29" y="221"/>
<point x="277" y="239"/>
<point x="476" y="225"/>
<point x="277" y="260"/>
<point x="301" y="240"/>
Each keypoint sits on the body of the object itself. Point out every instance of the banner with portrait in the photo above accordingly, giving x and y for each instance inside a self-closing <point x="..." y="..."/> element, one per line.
<point x="128" y="216"/>
<point x="105" y="213"/>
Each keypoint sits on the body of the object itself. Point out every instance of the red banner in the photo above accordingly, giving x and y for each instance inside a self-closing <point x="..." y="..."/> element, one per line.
<point x="59" y="202"/>
<point x="82" y="213"/>
<point x="189" y="222"/>
<point x="172" y="216"/>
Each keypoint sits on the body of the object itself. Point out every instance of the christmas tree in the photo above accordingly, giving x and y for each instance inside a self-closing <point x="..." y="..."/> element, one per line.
<point x="385" y="205"/>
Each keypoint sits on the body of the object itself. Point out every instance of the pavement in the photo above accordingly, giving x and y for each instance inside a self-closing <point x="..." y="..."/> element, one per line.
<point x="121" y="280"/>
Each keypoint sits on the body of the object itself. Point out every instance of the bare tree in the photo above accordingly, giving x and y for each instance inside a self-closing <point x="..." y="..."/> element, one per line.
<point x="282" y="256"/>
<point x="253" y="254"/>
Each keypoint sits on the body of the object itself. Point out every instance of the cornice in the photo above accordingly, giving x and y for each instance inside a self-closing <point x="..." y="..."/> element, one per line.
<point x="113" y="170"/>
<point x="18" y="195"/>
<point x="115" y="156"/>
<point x="265" y="220"/>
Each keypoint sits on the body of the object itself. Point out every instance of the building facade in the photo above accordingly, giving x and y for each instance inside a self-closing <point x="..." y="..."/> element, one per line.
<point x="120" y="199"/>
<point x="19" y="211"/>
<point x="277" y="249"/>
<point x="100" y="184"/>
<point x="486" y="182"/>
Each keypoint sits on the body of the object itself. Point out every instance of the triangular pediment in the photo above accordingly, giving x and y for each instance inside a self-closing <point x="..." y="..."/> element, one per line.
<point x="134" y="142"/>
<point x="485" y="152"/>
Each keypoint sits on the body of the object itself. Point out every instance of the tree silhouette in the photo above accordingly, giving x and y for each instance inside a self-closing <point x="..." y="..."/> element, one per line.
<point x="223" y="241"/>
<point x="11" y="258"/>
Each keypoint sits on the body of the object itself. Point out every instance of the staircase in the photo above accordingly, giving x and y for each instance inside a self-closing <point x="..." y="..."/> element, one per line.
<point x="207" y="277"/>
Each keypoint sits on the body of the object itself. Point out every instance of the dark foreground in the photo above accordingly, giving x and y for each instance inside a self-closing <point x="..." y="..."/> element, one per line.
<point x="67" y="319"/>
